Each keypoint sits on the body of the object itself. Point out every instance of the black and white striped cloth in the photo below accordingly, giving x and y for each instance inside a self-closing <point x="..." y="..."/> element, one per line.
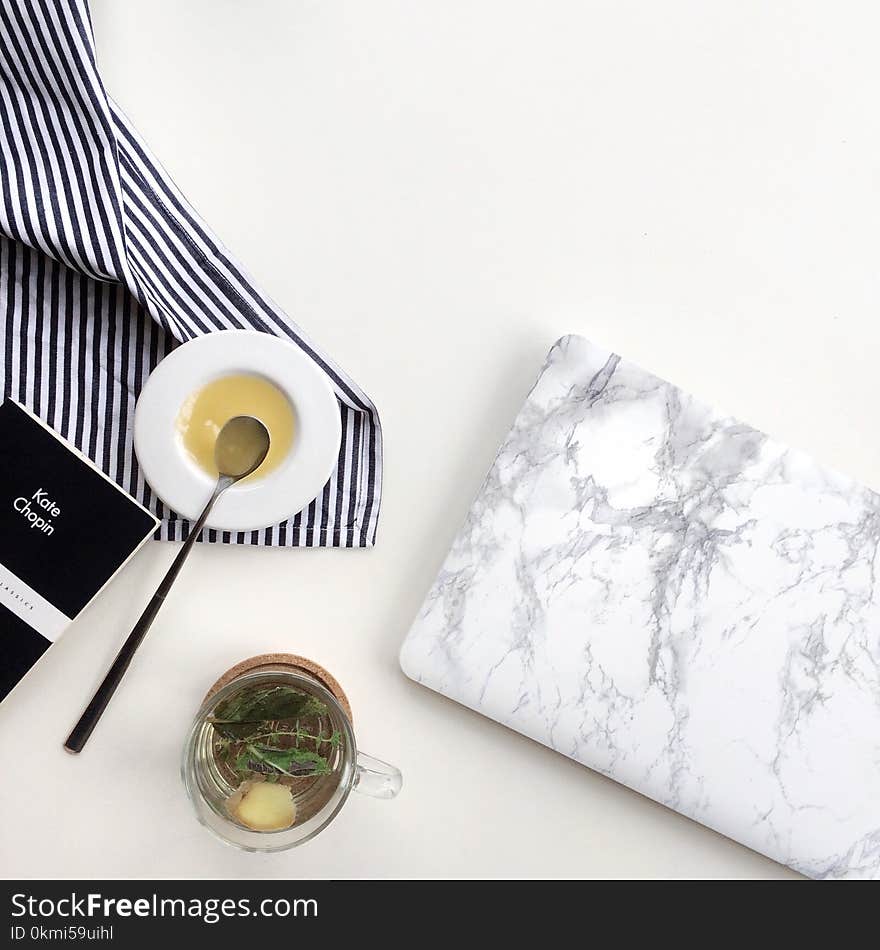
<point x="104" y="268"/>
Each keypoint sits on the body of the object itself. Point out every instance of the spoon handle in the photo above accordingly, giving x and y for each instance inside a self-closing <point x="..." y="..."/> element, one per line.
<point x="95" y="709"/>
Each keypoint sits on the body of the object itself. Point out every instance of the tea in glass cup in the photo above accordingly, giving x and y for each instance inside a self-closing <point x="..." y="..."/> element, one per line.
<point x="271" y="756"/>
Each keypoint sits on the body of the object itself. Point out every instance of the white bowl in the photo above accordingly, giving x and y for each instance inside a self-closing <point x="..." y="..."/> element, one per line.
<point x="262" y="501"/>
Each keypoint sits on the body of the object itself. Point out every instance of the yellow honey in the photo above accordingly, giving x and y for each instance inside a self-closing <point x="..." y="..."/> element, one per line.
<point x="206" y="411"/>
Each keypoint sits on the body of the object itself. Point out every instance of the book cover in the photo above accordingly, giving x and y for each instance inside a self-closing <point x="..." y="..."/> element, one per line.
<point x="65" y="530"/>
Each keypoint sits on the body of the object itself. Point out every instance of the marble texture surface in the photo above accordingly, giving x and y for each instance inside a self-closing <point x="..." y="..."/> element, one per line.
<point x="674" y="599"/>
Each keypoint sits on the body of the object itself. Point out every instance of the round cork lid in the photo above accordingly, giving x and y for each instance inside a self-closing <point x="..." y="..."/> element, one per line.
<point x="298" y="664"/>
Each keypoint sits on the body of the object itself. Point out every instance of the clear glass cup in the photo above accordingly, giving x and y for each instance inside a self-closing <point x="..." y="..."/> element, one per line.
<point x="212" y="786"/>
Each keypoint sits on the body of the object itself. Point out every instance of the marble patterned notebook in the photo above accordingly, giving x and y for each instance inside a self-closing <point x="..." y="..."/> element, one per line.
<point x="674" y="599"/>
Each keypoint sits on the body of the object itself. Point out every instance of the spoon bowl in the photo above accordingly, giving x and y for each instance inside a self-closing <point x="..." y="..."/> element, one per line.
<point x="241" y="447"/>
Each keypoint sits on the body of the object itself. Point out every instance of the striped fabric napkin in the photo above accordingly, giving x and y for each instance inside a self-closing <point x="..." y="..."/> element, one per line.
<point x="105" y="268"/>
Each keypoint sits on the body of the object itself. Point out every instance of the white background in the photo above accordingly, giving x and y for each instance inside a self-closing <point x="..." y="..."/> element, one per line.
<point x="436" y="192"/>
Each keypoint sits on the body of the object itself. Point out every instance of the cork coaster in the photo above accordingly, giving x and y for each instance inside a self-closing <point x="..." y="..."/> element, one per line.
<point x="297" y="663"/>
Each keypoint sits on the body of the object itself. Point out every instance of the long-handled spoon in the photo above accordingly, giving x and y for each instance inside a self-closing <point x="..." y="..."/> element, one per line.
<point x="240" y="449"/>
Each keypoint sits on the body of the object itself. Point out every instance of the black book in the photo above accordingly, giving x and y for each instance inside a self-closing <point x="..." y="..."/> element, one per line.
<point x="65" y="530"/>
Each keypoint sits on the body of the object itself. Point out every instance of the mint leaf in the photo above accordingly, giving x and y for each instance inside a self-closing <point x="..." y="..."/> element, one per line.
<point x="236" y="717"/>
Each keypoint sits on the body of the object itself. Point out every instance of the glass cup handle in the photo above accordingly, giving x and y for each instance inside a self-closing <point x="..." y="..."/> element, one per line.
<point x="376" y="778"/>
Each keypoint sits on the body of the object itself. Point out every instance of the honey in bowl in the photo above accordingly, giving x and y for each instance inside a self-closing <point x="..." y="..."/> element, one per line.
<point x="207" y="410"/>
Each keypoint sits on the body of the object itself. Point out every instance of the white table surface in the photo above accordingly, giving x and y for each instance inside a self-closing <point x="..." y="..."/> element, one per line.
<point x="436" y="192"/>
